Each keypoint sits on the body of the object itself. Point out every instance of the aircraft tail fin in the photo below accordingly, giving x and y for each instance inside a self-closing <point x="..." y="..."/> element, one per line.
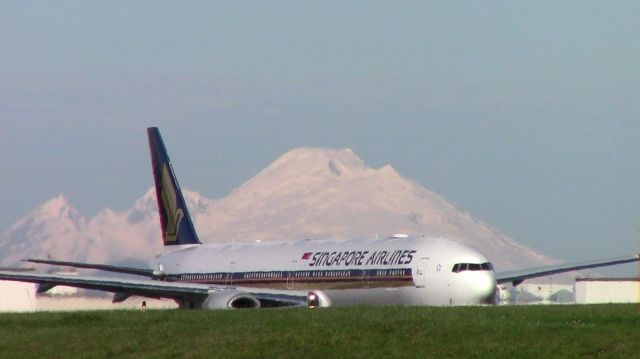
<point x="175" y="221"/>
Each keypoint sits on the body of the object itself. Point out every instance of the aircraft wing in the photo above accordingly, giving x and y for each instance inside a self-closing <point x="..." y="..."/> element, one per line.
<point x="213" y="297"/>
<point x="104" y="267"/>
<point x="518" y="276"/>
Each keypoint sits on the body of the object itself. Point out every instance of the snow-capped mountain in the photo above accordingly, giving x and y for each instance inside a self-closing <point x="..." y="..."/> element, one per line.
<point x="55" y="228"/>
<point x="306" y="193"/>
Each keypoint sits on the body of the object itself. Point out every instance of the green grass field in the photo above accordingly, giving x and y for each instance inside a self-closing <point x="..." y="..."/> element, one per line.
<point x="358" y="332"/>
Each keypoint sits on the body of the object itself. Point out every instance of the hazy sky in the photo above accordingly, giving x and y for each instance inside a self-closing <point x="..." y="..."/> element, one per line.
<point x="526" y="114"/>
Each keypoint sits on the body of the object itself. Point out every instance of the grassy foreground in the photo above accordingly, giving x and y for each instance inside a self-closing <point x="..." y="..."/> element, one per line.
<point x="356" y="332"/>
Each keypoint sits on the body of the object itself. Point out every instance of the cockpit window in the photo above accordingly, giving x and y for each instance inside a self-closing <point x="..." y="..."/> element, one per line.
<point x="473" y="266"/>
<point x="461" y="267"/>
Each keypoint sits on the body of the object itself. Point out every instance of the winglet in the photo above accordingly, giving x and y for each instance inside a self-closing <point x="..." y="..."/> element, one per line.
<point x="175" y="221"/>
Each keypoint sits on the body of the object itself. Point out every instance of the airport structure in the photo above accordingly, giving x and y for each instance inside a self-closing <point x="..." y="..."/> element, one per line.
<point x="607" y="290"/>
<point x="583" y="291"/>
<point x="543" y="293"/>
<point x="17" y="296"/>
<point x="23" y="297"/>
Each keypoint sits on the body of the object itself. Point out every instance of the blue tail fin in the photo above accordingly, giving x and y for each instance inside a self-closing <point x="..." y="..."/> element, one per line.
<point x="175" y="221"/>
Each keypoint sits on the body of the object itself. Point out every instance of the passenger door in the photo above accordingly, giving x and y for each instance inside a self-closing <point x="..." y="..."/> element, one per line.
<point x="421" y="273"/>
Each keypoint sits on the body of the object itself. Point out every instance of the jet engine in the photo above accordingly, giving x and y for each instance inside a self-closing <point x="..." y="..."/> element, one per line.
<point x="230" y="299"/>
<point x="317" y="299"/>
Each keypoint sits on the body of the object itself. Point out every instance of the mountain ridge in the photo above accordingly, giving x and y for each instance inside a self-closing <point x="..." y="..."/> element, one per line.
<point x="305" y="193"/>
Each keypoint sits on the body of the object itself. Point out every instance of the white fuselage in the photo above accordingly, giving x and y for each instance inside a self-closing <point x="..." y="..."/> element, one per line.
<point x="409" y="271"/>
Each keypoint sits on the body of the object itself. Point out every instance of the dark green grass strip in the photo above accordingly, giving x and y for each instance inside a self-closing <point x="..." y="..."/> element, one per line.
<point x="599" y="331"/>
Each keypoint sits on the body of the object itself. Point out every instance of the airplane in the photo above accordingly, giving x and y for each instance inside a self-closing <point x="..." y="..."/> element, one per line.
<point x="399" y="270"/>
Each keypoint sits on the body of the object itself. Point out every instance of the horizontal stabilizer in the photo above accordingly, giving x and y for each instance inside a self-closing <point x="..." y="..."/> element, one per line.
<point x="104" y="267"/>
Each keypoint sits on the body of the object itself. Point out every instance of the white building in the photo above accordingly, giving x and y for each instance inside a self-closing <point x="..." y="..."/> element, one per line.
<point x="22" y="297"/>
<point x="607" y="290"/>
<point x="17" y="296"/>
<point x="535" y="293"/>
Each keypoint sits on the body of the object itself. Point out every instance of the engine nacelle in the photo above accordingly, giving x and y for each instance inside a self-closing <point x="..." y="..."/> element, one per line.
<point x="230" y="299"/>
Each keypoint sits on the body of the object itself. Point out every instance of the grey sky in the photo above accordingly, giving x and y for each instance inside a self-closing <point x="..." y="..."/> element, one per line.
<point x="525" y="114"/>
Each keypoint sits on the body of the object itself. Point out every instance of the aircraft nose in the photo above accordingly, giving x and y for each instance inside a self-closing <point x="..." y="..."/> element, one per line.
<point x="484" y="288"/>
